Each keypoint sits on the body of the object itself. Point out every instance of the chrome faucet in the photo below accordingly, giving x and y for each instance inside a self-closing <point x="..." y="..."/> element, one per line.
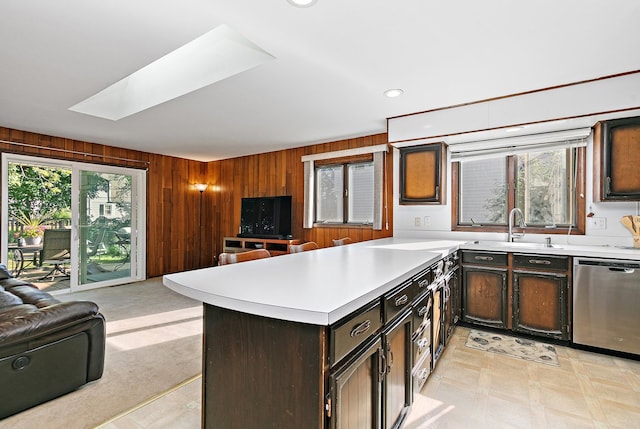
<point x="512" y="235"/>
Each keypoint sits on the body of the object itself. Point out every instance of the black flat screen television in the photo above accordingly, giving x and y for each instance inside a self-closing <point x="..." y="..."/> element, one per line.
<point x="266" y="217"/>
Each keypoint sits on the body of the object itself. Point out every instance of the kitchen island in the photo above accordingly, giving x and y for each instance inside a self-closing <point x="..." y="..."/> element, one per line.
<point x="268" y="348"/>
<point x="282" y="336"/>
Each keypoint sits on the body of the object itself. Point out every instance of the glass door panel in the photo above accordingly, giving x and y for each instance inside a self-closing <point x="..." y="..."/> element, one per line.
<point x="106" y="219"/>
<point x="104" y="226"/>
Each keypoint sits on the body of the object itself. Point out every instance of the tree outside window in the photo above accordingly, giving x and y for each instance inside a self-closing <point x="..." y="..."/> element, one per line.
<point x="541" y="183"/>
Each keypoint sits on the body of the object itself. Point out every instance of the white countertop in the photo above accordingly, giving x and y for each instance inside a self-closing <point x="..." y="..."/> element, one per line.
<point x="322" y="286"/>
<point x="607" y="252"/>
<point x="318" y="287"/>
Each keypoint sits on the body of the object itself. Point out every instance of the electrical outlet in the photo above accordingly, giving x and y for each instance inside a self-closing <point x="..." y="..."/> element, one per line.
<point x="427" y="220"/>
<point x="417" y="221"/>
<point x="598" y="222"/>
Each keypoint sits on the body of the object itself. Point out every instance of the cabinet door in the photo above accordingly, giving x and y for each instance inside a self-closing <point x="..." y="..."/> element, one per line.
<point x="617" y="156"/>
<point x="397" y="380"/>
<point x="423" y="174"/>
<point x="540" y="304"/>
<point x="484" y="296"/>
<point x="355" y="390"/>
<point x="452" y="304"/>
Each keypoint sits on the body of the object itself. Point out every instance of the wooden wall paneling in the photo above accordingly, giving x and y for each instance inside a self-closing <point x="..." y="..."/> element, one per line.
<point x="282" y="173"/>
<point x="169" y="242"/>
<point x="173" y="203"/>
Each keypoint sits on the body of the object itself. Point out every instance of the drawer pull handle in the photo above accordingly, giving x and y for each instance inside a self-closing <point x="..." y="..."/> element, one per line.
<point x="401" y="300"/>
<point x="422" y="344"/>
<point x="422" y="376"/>
<point x="539" y="262"/>
<point x="423" y="283"/>
<point x="484" y="258"/>
<point x="361" y="328"/>
<point x="423" y="310"/>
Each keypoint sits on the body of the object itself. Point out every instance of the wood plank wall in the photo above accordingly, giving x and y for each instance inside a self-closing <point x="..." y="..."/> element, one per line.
<point x="282" y="173"/>
<point x="172" y="200"/>
<point x="173" y="203"/>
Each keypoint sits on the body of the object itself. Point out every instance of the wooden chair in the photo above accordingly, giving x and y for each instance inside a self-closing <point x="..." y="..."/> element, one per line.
<point x="56" y="251"/>
<point x="232" y="258"/>
<point x="342" y="241"/>
<point x="297" y="248"/>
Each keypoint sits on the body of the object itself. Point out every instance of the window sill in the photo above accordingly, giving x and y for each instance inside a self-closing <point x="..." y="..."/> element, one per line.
<point x="343" y="225"/>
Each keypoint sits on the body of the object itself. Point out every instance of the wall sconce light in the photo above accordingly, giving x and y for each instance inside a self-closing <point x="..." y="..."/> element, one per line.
<point x="201" y="187"/>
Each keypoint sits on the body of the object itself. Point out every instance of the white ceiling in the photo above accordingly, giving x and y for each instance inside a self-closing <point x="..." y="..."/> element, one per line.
<point x="333" y="62"/>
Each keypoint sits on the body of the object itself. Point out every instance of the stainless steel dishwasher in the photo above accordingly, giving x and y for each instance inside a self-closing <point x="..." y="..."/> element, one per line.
<point x="606" y="304"/>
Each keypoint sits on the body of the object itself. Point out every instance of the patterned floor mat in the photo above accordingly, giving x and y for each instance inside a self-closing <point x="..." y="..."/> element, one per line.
<point x="519" y="348"/>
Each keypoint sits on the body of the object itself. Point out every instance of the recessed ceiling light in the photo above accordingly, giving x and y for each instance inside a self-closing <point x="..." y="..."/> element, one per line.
<point x="212" y="57"/>
<point x="512" y="129"/>
<point x="392" y="93"/>
<point x="302" y="3"/>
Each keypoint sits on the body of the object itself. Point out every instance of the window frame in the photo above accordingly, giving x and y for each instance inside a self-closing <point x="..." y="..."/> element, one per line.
<point x="344" y="162"/>
<point x="579" y="200"/>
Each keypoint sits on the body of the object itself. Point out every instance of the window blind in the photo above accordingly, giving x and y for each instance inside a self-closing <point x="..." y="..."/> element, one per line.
<point x="519" y="144"/>
<point x="378" y="173"/>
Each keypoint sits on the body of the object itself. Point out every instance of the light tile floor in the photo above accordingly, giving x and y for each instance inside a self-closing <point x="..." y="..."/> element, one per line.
<point x="476" y="389"/>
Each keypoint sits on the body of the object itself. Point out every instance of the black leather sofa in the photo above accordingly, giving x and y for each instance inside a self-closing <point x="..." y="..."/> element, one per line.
<point x="47" y="348"/>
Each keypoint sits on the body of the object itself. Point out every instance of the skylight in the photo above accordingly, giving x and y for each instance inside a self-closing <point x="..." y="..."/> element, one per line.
<point x="212" y="57"/>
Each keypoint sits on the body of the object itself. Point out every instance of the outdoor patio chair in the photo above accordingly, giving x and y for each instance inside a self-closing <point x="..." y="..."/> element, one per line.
<point x="56" y="251"/>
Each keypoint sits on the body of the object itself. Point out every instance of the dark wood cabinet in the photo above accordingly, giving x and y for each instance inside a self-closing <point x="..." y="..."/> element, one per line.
<point x="616" y="157"/>
<point x="484" y="288"/>
<point x="355" y="398"/>
<point x="370" y="385"/>
<point x="526" y="293"/>
<point x="540" y="289"/>
<point x="484" y="296"/>
<point x="397" y="377"/>
<point x="358" y="372"/>
<point x="423" y="174"/>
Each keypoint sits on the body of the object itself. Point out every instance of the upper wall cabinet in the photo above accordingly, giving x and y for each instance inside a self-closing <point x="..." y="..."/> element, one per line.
<point x="423" y="172"/>
<point x="616" y="155"/>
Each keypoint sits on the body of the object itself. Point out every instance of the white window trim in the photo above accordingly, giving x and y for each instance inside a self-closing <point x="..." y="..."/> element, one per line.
<point x="378" y="177"/>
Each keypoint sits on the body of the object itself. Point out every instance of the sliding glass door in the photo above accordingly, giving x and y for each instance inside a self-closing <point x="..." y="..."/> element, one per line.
<point x="104" y="233"/>
<point x="106" y="218"/>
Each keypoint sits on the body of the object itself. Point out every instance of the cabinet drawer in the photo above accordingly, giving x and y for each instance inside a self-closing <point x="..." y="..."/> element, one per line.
<point x="348" y="334"/>
<point x="540" y="262"/>
<point x="398" y="299"/>
<point x="422" y="281"/>
<point x="484" y="258"/>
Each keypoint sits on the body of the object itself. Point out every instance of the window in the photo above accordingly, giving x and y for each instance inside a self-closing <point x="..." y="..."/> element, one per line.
<point x="344" y="193"/>
<point x="543" y="184"/>
<point x="345" y="187"/>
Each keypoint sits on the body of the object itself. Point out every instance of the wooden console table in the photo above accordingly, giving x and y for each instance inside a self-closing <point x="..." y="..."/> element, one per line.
<point x="239" y="244"/>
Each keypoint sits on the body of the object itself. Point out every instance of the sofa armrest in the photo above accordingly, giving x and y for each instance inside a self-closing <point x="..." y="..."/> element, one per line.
<point x="28" y="322"/>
